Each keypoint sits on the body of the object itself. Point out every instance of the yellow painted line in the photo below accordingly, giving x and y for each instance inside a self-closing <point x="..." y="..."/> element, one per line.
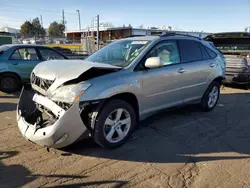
<point x="65" y="46"/>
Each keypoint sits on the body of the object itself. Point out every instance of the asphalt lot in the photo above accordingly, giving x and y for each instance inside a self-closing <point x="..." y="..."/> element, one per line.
<point x="178" y="148"/>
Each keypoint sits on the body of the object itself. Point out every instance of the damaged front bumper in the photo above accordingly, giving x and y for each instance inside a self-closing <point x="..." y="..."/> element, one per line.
<point x="64" y="128"/>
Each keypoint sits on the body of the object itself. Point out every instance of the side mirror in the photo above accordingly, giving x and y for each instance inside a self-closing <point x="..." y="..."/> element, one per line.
<point x="153" y="62"/>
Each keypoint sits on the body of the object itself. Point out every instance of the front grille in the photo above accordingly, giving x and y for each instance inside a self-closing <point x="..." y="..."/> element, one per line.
<point x="40" y="82"/>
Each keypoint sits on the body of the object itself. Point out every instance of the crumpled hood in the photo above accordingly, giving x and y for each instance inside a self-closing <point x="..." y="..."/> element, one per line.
<point x="64" y="70"/>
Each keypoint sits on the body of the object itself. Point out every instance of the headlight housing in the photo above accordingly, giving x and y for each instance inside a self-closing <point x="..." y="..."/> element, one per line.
<point x="70" y="93"/>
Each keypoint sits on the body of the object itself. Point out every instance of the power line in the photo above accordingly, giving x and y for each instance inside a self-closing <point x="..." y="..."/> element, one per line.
<point x="45" y="10"/>
<point x="12" y="21"/>
<point x="18" y="11"/>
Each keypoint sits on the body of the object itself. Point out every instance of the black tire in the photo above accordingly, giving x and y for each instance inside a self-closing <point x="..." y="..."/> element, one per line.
<point x="205" y="99"/>
<point x="9" y="83"/>
<point x="246" y="86"/>
<point x="109" y="107"/>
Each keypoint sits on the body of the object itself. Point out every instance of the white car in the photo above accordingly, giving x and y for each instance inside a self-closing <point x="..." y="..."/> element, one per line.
<point x="32" y="41"/>
<point x="119" y="85"/>
<point x="26" y="41"/>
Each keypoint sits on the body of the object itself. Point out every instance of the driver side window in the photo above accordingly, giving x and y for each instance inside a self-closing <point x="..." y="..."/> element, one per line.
<point x="167" y="51"/>
<point x="48" y="54"/>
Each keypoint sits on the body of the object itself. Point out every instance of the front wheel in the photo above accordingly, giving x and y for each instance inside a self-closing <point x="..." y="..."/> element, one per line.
<point x="210" y="97"/>
<point x="9" y="83"/>
<point x="114" y="124"/>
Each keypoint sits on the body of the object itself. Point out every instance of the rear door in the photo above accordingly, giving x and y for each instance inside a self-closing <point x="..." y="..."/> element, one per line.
<point x="23" y="60"/>
<point x="197" y="66"/>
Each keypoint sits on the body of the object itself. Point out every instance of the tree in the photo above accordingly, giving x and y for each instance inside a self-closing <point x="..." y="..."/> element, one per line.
<point x="26" y="29"/>
<point x="141" y="27"/>
<point x="154" y="28"/>
<point x="32" y="29"/>
<point x="38" y="30"/>
<point x="56" y="29"/>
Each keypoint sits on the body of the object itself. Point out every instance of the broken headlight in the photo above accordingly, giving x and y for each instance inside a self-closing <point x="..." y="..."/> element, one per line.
<point x="70" y="93"/>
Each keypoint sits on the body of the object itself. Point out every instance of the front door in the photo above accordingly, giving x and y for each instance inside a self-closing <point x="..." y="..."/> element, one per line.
<point x="22" y="61"/>
<point x="162" y="86"/>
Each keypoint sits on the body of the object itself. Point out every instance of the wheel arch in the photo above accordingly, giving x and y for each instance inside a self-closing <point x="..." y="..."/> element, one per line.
<point x="218" y="79"/>
<point x="10" y="73"/>
<point x="131" y="99"/>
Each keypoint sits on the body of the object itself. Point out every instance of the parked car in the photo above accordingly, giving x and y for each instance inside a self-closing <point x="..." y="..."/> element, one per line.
<point x="26" y="41"/>
<point x="119" y="85"/>
<point x="32" y="41"/>
<point x="18" y="60"/>
<point x="236" y="49"/>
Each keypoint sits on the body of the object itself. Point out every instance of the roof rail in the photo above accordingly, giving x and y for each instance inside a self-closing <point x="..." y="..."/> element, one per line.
<point x="178" y="34"/>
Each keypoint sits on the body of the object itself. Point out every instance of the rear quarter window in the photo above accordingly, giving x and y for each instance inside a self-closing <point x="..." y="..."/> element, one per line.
<point x="204" y="52"/>
<point x="211" y="53"/>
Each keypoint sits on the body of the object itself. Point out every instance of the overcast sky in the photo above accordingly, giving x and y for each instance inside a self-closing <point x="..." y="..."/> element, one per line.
<point x="196" y="15"/>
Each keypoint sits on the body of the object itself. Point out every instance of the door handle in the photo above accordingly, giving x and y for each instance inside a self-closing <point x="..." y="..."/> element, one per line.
<point x="181" y="70"/>
<point x="212" y="64"/>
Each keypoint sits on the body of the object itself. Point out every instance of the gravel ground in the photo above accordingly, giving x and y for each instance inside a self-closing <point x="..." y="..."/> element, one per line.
<point x="178" y="148"/>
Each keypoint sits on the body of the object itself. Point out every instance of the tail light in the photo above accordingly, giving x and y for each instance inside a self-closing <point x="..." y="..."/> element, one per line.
<point x="244" y="61"/>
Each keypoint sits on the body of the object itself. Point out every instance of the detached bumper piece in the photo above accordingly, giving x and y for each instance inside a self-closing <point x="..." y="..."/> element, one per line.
<point x="44" y="122"/>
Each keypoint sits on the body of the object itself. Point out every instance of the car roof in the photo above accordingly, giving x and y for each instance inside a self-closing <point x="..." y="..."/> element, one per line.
<point x="166" y="36"/>
<point x="141" y="38"/>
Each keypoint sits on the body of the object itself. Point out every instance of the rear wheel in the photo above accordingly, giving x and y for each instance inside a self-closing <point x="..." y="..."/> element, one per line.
<point x="9" y="83"/>
<point x="211" y="96"/>
<point x="114" y="124"/>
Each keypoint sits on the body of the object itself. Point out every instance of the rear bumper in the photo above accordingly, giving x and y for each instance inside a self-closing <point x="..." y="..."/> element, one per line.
<point x="239" y="78"/>
<point x="66" y="129"/>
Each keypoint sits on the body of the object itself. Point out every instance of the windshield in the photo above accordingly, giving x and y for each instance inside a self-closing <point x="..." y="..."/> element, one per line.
<point x="120" y="53"/>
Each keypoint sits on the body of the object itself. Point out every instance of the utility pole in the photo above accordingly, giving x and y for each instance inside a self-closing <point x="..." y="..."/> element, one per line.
<point x="97" y="32"/>
<point x="78" y="11"/>
<point x="63" y="18"/>
<point x="41" y="19"/>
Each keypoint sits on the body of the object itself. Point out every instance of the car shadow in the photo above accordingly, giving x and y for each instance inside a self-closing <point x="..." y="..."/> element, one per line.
<point x="23" y="176"/>
<point x="6" y="106"/>
<point x="184" y="135"/>
<point x="13" y="95"/>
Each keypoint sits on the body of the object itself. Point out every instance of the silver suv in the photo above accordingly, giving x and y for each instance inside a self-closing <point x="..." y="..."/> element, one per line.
<point x="107" y="94"/>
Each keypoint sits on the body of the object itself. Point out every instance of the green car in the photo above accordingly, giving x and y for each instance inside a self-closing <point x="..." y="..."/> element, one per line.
<point x="18" y="60"/>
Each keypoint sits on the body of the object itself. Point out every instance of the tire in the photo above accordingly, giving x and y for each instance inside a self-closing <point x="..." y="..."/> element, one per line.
<point x="101" y="130"/>
<point x="9" y="83"/>
<point x="246" y="86"/>
<point x="205" y="105"/>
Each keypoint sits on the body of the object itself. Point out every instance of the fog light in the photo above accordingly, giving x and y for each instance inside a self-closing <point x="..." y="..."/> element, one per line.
<point x="62" y="139"/>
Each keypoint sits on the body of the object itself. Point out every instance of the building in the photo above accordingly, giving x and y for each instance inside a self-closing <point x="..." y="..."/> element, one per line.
<point x="10" y="30"/>
<point x="112" y="33"/>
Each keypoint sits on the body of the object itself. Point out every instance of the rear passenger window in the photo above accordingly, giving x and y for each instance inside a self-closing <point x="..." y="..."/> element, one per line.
<point x="190" y="51"/>
<point x="204" y="53"/>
